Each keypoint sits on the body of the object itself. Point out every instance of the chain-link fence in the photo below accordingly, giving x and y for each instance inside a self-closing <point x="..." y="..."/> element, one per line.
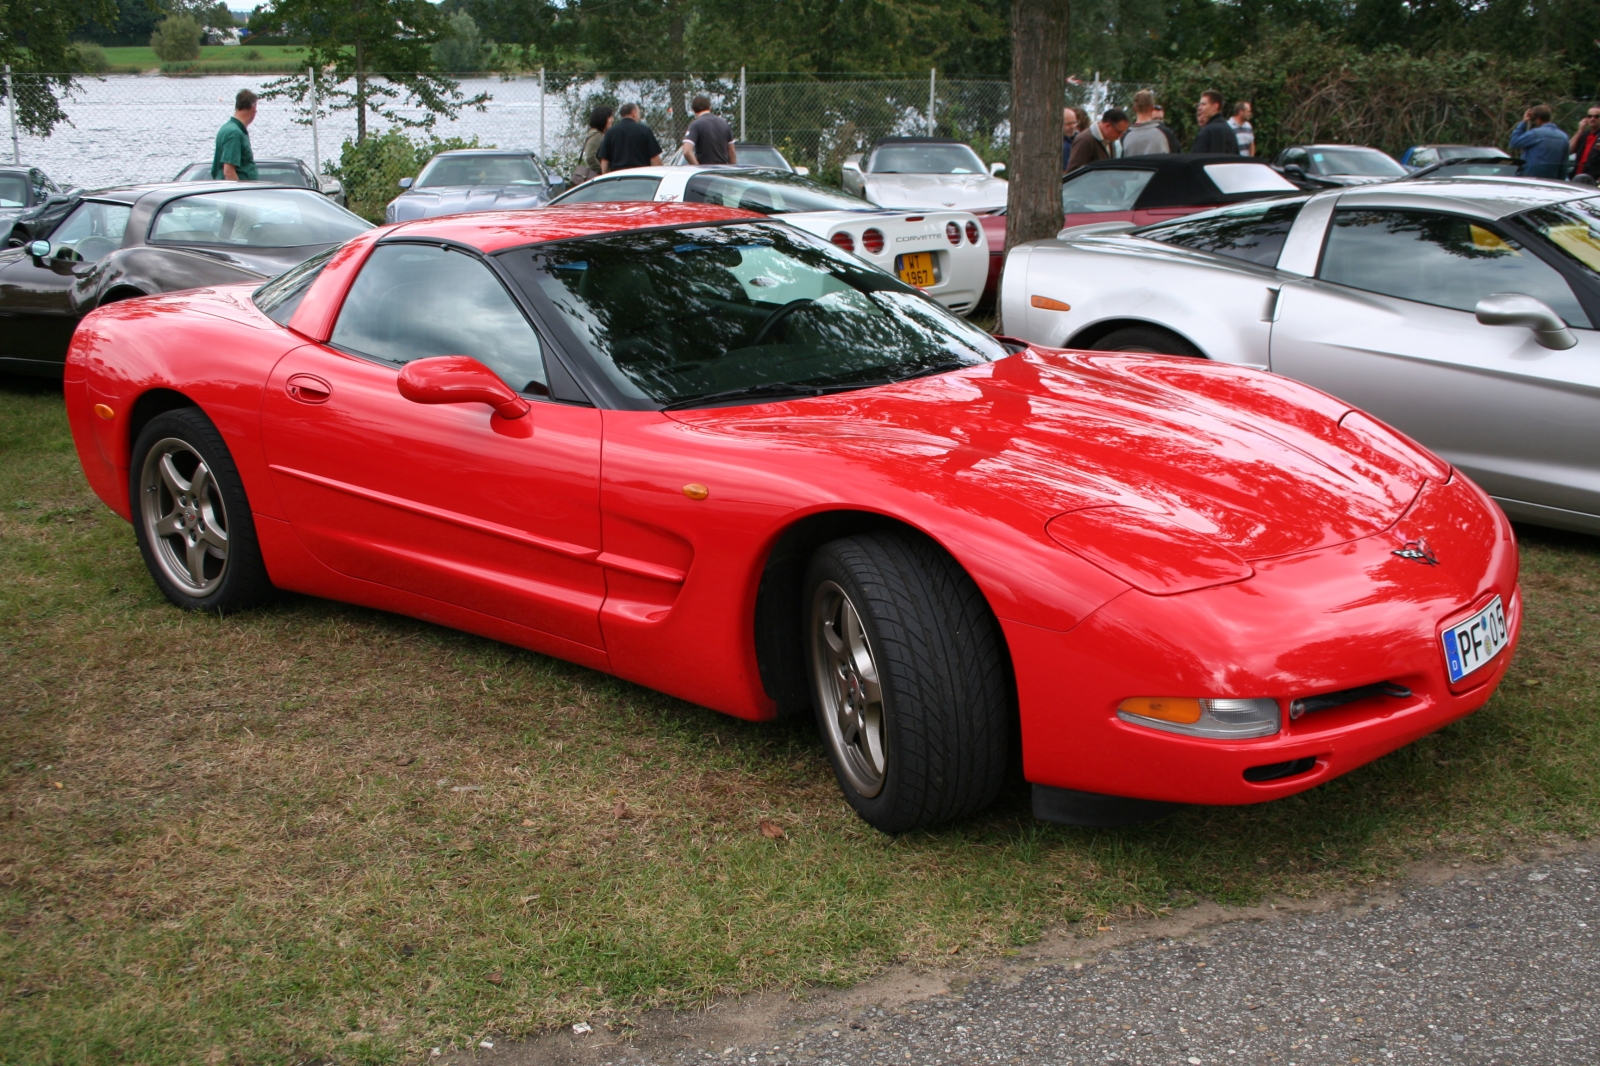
<point x="128" y="128"/>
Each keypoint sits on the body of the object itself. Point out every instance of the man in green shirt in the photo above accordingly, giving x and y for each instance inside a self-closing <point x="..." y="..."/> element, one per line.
<point x="233" y="159"/>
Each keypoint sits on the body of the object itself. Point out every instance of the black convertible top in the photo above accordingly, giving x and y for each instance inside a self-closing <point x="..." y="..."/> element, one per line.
<point x="1180" y="179"/>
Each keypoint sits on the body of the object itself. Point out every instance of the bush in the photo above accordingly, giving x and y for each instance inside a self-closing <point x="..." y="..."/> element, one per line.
<point x="86" y="57"/>
<point x="176" y="39"/>
<point x="252" y="55"/>
<point x="371" y="171"/>
<point x="462" y="50"/>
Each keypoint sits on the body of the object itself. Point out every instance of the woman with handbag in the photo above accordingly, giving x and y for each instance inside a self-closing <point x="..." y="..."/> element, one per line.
<point x="589" y="164"/>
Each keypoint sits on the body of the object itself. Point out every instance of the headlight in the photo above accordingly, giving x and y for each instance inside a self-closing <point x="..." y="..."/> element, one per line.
<point x="1217" y="719"/>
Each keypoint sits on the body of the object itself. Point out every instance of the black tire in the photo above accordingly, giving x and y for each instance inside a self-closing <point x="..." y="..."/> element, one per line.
<point x="1146" y="339"/>
<point x="201" y="548"/>
<point x="939" y="740"/>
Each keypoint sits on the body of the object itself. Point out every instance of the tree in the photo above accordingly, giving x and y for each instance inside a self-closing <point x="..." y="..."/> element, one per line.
<point x="371" y="54"/>
<point x="1039" y="30"/>
<point x="176" y="39"/>
<point x="36" y="38"/>
<point x="462" y="48"/>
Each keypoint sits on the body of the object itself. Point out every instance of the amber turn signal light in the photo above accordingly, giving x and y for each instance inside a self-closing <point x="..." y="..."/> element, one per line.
<point x="1047" y="304"/>
<point x="104" y="412"/>
<point x="1163" y="709"/>
<point x="696" y="491"/>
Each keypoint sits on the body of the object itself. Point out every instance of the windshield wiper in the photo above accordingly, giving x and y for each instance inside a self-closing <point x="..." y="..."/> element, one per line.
<point x="771" y="388"/>
<point x="939" y="368"/>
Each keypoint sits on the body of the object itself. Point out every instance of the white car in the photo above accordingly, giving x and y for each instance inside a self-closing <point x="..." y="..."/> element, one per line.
<point x="925" y="173"/>
<point x="945" y="253"/>
<point x="1463" y="311"/>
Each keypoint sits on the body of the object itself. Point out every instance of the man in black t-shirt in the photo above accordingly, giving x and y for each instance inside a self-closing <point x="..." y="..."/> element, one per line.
<point x="709" y="138"/>
<point x="629" y="143"/>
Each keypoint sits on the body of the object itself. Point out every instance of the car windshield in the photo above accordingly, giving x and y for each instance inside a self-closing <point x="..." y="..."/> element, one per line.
<point x="1254" y="231"/>
<point x="13" y="190"/>
<point x="771" y="192"/>
<point x="256" y="218"/>
<point x="1463" y="151"/>
<point x="1098" y="191"/>
<point x="1573" y="227"/>
<point x="1360" y="162"/>
<point x="272" y="173"/>
<point x="760" y="155"/>
<point x="683" y="315"/>
<point x="447" y="170"/>
<point x="927" y="159"/>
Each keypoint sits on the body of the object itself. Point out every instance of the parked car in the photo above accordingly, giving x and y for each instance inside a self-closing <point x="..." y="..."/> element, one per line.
<point x="1337" y="164"/>
<point x="281" y="171"/>
<point x="1140" y="190"/>
<point x="1426" y="155"/>
<point x="1461" y="311"/>
<point x="750" y="155"/>
<point x="22" y="188"/>
<point x="945" y="253"/>
<point x="1487" y="166"/>
<point x="718" y="456"/>
<point x="925" y="174"/>
<point x="475" y="179"/>
<point x="114" y="244"/>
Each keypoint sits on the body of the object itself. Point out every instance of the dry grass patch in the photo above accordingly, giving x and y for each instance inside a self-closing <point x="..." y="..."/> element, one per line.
<point x="320" y="830"/>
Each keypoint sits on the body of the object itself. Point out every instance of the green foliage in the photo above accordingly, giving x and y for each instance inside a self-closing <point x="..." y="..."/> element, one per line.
<point x="370" y="170"/>
<point x="462" y="48"/>
<point x="36" y="38"/>
<point x="1308" y="86"/>
<point x="88" y="58"/>
<point x="177" y="38"/>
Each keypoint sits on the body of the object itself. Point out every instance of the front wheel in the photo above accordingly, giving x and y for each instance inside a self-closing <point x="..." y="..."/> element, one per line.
<point x="191" y="517"/>
<point x="908" y="680"/>
<point x="1151" y="339"/>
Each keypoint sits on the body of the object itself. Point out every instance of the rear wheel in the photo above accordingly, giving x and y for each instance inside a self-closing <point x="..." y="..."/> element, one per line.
<point x="1152" y="339"/>
<point x="908" y="680"/>
<point x="191" y="517"/>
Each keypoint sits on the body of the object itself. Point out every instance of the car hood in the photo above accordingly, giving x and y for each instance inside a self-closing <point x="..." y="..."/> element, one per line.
<point x="460" y="199"/>
<point x="1254" y="463"/>
<point x="964" y="192"/>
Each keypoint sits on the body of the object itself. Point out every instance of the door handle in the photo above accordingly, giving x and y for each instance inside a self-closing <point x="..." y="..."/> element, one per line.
<point x="307" y="388"/>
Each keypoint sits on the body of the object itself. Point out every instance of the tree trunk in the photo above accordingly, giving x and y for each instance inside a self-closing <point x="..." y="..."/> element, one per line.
<point x="1038" y="93"/>
<point x="361" y="80"/>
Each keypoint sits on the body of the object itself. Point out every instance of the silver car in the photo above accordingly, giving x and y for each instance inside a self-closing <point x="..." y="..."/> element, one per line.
<point x="925" y="174"/>
<point x="474" y="179"/>
<point x="1461" y="311"/>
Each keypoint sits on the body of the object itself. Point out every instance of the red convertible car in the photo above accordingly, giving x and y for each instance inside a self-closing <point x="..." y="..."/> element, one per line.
<point x="717" y="456"/>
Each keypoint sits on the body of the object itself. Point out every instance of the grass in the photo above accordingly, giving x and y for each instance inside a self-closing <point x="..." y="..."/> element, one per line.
<point x="317" y="830"/>
<point x="214" y="59"/>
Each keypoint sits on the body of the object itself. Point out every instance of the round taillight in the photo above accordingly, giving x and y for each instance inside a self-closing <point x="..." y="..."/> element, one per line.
<point x="952" y="231"/>
<point x="972" y="233"/>
<point x="872" y="241"/>
<point x="844" y="240"/>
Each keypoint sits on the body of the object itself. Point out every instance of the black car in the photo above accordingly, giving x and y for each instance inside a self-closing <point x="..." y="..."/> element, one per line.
<point x="22" y="188"/>
<point x="1143" y="189"/>
<point x="281" y="171"/>
<point x="1330" y="165"/>
<point x="114" y="244"/>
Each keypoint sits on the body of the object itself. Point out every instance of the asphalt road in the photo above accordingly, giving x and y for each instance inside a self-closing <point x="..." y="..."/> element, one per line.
<point x="1493" y="966"/>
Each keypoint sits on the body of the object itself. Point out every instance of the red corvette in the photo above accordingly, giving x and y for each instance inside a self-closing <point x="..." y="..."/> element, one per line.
<point x="714" y="455"/>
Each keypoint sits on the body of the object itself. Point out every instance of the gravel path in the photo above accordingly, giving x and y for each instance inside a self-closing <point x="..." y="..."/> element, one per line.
<point x="1498" y="966"/>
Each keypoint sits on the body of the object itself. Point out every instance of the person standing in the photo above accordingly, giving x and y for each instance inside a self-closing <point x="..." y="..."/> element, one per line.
<point x="1147" y="136"/>
<point x="232" y="159"/>
<point x="1243" y="132"/>
<point x="1069" y="131"/>
<point x="600" y="120"/>
<point x="1583" y="142"/>
<point x="1099" y="141"/>
<point x="709" y="139"/>
<point x="1216" y="136"/>
<point x="1543" y="145"/>
<point x="628" y="143"/>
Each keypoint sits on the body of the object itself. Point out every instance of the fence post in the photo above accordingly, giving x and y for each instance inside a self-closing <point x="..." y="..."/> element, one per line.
<point x="541" y="116"/>
<point x="11" y="104"/>
<point x="741" y="103"/>
<point x="316" y="140"/>
<point x="933" y="74"/>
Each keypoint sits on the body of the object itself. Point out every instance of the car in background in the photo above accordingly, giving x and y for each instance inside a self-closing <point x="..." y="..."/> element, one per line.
<point x="1461" y="311"/>
<point x="944" y="253"/>
<point x="1337" y="164"/>
<point x="475" y="179"/>
<point x="925" y="174"/>
<point x="1486" y="166"/>
<point x="1141" y="190"/>
<point x="277" y="171"/>
<point x="114" y="244"/>
<point x="1426" y="155"/>
<point x="22" y="188"/>
<point x="750" y="155"/>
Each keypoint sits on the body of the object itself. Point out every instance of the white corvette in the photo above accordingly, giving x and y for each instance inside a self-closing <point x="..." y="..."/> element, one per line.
<point x="945" y="253"/>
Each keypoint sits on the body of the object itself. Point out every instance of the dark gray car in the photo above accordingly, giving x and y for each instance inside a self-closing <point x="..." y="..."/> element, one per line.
<point x="474" y="179"/>
<point x="280" y="171"/>
<point x="22" y="188"/>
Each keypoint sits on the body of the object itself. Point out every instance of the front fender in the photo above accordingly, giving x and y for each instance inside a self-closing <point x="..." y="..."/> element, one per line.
<point x="153" y="270"/>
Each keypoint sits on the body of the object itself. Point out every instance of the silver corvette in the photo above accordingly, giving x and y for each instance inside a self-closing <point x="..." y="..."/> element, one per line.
<point x="925" y="174"/>
<point x="1462" y="311"/>
<point x="474" y="179"/>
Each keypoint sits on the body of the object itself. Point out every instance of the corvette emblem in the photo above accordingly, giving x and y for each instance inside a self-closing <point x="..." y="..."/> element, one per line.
<point x="1417" y="549"/>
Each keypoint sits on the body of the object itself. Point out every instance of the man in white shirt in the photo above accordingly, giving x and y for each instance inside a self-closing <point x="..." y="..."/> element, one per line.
<point x="1242" y="113"/>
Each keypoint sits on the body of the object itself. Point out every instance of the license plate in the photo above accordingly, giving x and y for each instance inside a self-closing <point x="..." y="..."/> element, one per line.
<point x="1471" y="644"/>
<point x="916" y="268"/>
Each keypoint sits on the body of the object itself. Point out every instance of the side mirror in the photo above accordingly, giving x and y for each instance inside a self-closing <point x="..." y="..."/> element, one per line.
<point x="1295" y="170"/>
<point x="329" y="186"/>
<point x="804" y="172"/>
<point x="459" y="379"/>
<point x="851" y="165"/>
<point x="39" y="249"/>
<point x="405" y="183"/>
<point x="995" y="169"/>
<point x="1516" y="309"/>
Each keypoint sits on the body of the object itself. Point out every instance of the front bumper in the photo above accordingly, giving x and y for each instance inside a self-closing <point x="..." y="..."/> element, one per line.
<point x="1308" y="624"/>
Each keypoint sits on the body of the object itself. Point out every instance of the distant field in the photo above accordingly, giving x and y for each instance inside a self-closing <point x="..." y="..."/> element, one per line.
<point x="214" y="59"/>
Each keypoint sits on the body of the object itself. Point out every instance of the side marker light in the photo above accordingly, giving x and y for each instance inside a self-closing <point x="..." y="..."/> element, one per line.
<point x="1047" y="304"/>
<point x="696" y="491"/>
<point x="104" y="412"/>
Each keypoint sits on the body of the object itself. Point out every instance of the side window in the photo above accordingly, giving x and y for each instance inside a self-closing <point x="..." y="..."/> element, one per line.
<point x="1297" y="156"/>
<point x="1101" y="190"/>
<point x="608" y="190"/>
<point x="93" y="230"/>
<point x="414" y="301"/>
<point x="1254" y="233"/>
<point x="1438" y="259"/>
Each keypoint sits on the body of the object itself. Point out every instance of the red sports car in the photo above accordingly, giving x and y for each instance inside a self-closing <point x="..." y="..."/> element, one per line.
<point x="717" y="456"/>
